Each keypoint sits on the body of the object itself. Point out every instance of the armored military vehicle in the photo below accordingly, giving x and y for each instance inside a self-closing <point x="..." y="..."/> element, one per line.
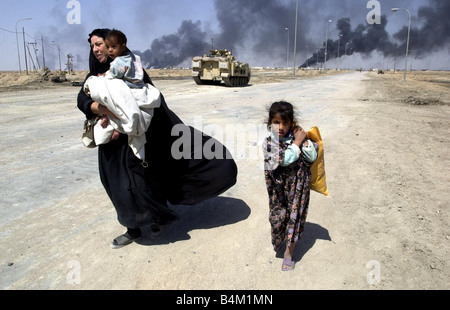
<point x="220" y="66"/>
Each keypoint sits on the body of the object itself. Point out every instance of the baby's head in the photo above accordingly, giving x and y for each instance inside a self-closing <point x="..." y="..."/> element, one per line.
<point x="281" y="115"/>
<point x="116" y="43"/>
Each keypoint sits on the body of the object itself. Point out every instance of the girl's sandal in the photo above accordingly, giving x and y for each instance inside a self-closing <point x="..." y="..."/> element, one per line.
<point x="288" y="264"/>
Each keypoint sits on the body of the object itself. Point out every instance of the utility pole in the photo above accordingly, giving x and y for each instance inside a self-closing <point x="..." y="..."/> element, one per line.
<point x="326" y="45"/>
<point x="295" y="39"/>
<point x="17" y="42"/>
<point x="59" y="55"/>
<point x="34" y="44"/>
<point x="287" y="50"/>
<point x="35" y="54"/>
<point x="407" y="42"/>
<point x="25" y="50"/>
<point x="43" y="53"/>
<point x="31" y="56"/>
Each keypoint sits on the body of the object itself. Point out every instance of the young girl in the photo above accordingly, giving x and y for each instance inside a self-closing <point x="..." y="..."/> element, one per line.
<point x="287" y="157"/>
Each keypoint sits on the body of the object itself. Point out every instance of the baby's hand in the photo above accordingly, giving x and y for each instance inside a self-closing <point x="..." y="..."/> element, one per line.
<point x="300" y="135"/>
<point x="104" y="121"/>
<point x="115" y="135"/>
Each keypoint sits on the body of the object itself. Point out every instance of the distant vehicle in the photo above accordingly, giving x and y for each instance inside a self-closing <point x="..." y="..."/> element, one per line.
<point x="220" y="66"/>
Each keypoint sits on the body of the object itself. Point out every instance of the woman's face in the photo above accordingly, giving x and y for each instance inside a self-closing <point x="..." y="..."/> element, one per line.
<point x="99" y="49"/>
<point x="283" y="125"/>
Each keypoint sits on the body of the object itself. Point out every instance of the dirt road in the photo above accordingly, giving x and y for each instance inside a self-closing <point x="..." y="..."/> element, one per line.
<point x="385" y="225"/>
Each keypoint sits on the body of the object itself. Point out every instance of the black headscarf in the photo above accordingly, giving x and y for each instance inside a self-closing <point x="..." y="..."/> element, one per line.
<point x="95" y="67"/>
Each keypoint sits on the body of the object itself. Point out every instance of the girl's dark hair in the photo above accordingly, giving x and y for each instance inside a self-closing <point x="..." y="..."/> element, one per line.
<point x="285" y="109"/>
<point x="119" y="35"/>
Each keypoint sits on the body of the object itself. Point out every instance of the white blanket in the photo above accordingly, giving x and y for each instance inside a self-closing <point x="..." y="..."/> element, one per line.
<point x="134" y="108"/>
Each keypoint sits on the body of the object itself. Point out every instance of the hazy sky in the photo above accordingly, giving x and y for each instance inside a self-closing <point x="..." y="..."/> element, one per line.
<point x="254" y="29"/>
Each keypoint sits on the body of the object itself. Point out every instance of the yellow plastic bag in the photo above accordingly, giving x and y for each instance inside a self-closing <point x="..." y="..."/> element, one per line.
<point x="318" y="176"/>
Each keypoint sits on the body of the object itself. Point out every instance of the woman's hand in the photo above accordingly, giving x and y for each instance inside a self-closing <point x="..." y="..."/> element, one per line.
<point x="99" y="109"/>
<point x="299" y="135"/>
<point x="104" y="123"/>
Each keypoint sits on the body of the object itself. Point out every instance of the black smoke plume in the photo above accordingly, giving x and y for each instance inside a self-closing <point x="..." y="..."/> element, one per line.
<point x="256" y="29"/>
<point x="366" y="38"/>
<point x="172" y="50"/>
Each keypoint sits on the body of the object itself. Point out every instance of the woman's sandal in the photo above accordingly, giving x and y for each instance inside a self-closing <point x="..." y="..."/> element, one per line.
<point x="288" y="264"/>
<point x="121" y="241"/>
<point x="155" y="229"/>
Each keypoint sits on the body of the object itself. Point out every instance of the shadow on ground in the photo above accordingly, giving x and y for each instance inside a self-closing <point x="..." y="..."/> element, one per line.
<point x="311" y="233"/>
<point x="212" y="213"/>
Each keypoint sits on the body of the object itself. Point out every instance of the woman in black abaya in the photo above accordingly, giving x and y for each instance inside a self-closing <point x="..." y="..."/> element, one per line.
<point x="140" y="195"/>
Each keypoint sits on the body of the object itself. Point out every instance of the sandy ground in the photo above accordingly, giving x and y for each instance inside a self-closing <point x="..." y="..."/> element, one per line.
<point x="385" y="225"/>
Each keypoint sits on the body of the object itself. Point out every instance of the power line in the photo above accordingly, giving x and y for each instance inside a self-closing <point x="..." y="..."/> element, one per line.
<point x="7" y="30"/>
